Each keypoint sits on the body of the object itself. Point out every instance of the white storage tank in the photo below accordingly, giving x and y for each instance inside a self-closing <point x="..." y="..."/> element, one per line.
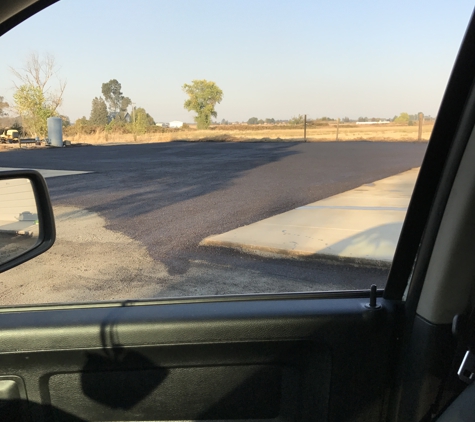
<point x="55" y="132"/>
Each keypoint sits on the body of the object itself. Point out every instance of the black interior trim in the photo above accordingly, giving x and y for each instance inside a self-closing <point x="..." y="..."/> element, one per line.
<point x="9" y="21"/>
<point x="176" y="323"/>
<point x="47" y="233"/>
<point x="340" y="294"/>
<point x="345" y="343"/>
<point x="414" y="343"/>
<point x="435" y="160"/>
<point x="442" y="196"/>
<point x="428" y="361"/>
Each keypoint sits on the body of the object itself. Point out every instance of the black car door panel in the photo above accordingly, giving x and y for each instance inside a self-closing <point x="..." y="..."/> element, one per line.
<point x="235" y="360"/>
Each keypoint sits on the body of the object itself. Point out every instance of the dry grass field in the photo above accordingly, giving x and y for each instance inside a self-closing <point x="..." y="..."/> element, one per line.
<point x="353" y="132"/>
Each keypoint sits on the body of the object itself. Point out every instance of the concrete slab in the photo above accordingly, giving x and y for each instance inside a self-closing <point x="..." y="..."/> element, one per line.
<point x="16" y="226"/>
<point x="361" y="225"/>
<point x="46" y="173"/>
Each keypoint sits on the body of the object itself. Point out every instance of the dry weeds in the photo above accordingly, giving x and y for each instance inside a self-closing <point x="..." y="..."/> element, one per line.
<point x="272" y="134"/>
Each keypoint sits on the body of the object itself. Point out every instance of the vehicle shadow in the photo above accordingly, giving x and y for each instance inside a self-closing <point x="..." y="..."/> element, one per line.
<point x="113" y="382"/>
<point x="355" y="262"/>
<point x="170" y="196"/>
<point x="145" y="191"/>
<point x="111" y="363"/>
<point x="134" y="180"/>
<point x="374" y="246"/>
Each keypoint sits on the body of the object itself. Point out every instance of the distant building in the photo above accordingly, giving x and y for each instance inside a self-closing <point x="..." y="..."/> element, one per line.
<point x="176" y="124"/>
<point x="162" y="124"/>
<point x="116" y="114"/>
<point x="381" y="122"/>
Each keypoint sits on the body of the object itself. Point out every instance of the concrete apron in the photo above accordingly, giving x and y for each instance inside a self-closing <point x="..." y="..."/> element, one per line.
<point x="361" y="226"/>
<point x="46" y="173"/>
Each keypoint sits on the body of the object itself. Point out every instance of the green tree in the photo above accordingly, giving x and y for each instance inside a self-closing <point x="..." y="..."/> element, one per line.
<point x="99" y="115"/>
<point x="403" y="118"/>
<point x="296" y="120"/>
<point x="117" y="126"/>
<point x="203" y="97"/>
<point x="3" y="106"/>
<point x="115" y="99"/>
<point x="253" y="121"/>
<point x="270" y="121"/>
<point x="80" y="125"/>
<point x="82" y="121"/>
<point x="141" y="121"/>
<point x="36" y="98"/>
<point x="34" y="109"/>
<point x="66" y="121"/>
<point x="18" y="127"/>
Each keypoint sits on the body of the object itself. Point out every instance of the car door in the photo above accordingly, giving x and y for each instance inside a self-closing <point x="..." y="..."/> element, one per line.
<point x="327" y="356"/>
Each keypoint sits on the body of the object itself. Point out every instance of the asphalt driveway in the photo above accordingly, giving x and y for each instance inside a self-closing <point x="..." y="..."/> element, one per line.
<point x="170" y="196"/>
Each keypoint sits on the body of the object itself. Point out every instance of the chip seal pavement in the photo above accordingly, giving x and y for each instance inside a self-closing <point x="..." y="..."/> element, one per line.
<point x="361" y="226"/>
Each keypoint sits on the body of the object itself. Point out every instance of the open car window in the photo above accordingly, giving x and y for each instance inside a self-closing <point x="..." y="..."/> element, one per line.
<point x="217" y="149"/>
<point x="225" y="156"/>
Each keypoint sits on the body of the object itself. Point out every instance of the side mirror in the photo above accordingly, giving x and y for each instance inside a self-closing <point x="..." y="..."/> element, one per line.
<point x="26" y="217"/>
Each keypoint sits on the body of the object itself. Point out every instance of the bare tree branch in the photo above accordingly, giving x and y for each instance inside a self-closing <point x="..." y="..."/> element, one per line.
<point x="39" y="91"/>
<point x="39" y="72"/>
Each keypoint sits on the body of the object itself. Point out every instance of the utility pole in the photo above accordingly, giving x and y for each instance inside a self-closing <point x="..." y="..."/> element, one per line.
<point x="305" y="128"/>
<point x="421" y="119"/>
<point x="133" y="112"/>
<point x="337" y="127"/>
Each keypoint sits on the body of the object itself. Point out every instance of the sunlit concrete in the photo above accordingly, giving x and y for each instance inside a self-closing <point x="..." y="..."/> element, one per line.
<point x="362" y="224"/>
<point x="48" y="173"/>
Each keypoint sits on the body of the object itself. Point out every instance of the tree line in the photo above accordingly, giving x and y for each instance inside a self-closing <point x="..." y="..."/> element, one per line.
<point x="404" y="119"/>
<point x="39" y="94"/>
<point x="109" y="112"/>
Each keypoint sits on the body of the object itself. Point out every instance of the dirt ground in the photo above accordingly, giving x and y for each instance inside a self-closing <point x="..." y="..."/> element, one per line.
<point x="87" y="262"/>
<point x="13" y="245"/>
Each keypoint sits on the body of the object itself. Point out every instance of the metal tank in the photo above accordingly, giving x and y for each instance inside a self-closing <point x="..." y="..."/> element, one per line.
<point x="55" y="132"/>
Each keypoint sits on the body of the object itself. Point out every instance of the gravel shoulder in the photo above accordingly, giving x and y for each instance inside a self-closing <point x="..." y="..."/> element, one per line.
<point x="89" y="263"/>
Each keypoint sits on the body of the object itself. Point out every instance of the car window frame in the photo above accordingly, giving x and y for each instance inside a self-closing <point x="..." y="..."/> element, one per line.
<point x="440" y="155"/>
<point x="450" y="135"/>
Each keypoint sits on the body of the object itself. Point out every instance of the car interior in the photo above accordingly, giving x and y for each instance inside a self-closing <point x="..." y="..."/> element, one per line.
<point x="402" y="354"/>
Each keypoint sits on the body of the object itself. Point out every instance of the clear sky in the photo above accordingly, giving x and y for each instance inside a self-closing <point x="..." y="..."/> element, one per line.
<point x="271" y="58"/>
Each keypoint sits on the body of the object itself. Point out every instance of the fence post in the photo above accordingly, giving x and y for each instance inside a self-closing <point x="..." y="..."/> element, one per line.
<point x="337" y="127"/>
<point x="305" y="128"/>
<point x="419" y="133"/>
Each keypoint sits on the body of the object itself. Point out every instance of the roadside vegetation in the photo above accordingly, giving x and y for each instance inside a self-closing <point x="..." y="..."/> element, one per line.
<point x="203" y="97"/>
<point x="114" y="117"/>
<point x="245" y="133"/>
<point x="38" y="94"/>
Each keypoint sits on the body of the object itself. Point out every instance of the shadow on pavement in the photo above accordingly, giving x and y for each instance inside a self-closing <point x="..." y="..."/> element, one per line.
<point x="134" y="180"/>
<point x="171" y="196"/>
<point x="374" y="246"/>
